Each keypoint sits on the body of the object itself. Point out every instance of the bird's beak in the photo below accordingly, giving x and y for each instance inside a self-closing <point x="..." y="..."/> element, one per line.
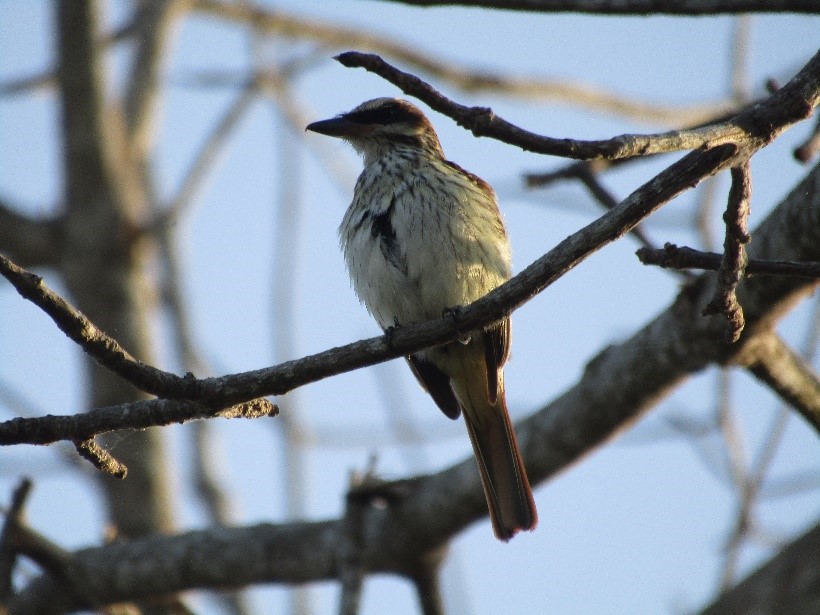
<point x="339" y="127"/>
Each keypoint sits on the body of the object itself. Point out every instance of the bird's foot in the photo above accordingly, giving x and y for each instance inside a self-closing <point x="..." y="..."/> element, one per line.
<point x="390" y="331"/>
<point x="454" y="314"/>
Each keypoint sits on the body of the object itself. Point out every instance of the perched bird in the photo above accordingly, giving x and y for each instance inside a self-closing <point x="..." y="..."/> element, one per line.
<point x="421" y="236"/>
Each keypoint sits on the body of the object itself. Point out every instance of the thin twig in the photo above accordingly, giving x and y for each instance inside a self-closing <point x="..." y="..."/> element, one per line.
<point x="277" y="380"/>
<point x="203" y="162"/>
<point x="8" y="554"/>
<point x="706" y="199"/>
<point x="350" y="550"/>
<point x="100" y="458"/>
<point x="133" y="415"/>
<point x="587" y="172"/>
<point x="428" y="590"/>
<point x="482" y="122"/>
<point x="332" y="36"/>
<point x="740" y="55"/>
<point x="634" y="7"/>
<point x="734" y="253"/>
<point x="681" y="257"/>
<point x="809" y="148"/>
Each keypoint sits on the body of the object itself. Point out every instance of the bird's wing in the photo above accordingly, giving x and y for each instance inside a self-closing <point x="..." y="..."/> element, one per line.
<point x="437" y="384"/>
<point x="496" y="351"/>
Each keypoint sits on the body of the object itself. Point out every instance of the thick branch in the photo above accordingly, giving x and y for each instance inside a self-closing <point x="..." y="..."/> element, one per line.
<point x="421" y="514"/>
<point x="634" y="7"/>
<point x="787" y="374"/>
<point x="794" y="101"/>
<point x="228" y="390"/>
<point x="280" y="379"/>
<point x="788" y="583"/>
<point x="103" y="268"/>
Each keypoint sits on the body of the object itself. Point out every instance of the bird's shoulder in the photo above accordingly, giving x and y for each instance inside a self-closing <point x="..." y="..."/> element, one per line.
<point x="470" y="177"/>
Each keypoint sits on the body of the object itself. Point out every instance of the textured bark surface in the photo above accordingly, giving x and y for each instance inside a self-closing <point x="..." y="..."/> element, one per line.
<point x="619" y="385"/>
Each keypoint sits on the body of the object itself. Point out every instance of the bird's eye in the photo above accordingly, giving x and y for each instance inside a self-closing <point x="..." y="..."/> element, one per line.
<point x="386" y="114"/>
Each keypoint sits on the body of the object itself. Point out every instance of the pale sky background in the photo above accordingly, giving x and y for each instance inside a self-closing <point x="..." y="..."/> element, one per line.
<point x="638" y="526"/>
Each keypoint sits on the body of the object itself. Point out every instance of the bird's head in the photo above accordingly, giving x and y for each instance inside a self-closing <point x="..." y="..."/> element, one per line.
<point x="377" y="126"/>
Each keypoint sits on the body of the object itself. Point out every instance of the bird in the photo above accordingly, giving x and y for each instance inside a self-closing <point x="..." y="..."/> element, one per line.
<point x="421" y="237"/>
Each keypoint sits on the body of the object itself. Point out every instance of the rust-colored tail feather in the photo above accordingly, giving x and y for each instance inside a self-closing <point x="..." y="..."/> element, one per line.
<point x="506" y="487"/>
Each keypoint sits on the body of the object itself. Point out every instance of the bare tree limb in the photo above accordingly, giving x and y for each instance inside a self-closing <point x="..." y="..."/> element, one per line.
<point x="465" y="79"/>
<point x="795" y="101"/>
<point x="587" y="172"/>
<point x="788" y="583"/>
<point x="151" y="29"/>
<point x="350" y="551"/>
<point x="787" y="105"/>
<point x="28" y="85"/>
<point x="428" y="589"/>
<point x="134" y="415"/>
<point x="105" y="264"/>
<point x="416" y="517"/>
<point x="634" y="7"/>
<point x="786" y="373"/>
<point x="280" y="379"/>
<point x="8" y="555"/>
<point x="734" y="253"/>
<point x="809" y="148"/>
<point x="676" y="257"/>
<point x="101" y="458"/>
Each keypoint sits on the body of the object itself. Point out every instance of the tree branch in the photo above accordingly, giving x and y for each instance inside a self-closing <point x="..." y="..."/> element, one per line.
<point x="676" y="257"/>
<point x="416" y="517"/>
<point x="788" y="583"/>
<point x="634" y="7"/>
<point x="227" y="390"/>
<point x="787" y="105"/>
<point x="101" y="458"/>
<point x="134" y="415"/>
<point x="734" y="253"/>
<point x="8" y="555"/>
<point x="809" y="148"/>
<point x="794" y="101"/>
<point x="787" y="374"/>
<point x="150" y="30"/>
<point x="463" y="78"/>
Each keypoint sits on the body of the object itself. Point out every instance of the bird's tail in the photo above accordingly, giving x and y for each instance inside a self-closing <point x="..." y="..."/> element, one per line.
<point x="506" y="487"/>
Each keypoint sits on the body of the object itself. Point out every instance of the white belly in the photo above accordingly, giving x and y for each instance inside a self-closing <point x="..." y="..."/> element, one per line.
<point x="447" y="247"/>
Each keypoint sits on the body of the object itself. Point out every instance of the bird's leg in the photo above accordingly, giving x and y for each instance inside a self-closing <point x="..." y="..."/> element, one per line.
<point x="390" y="331"/>
<point x="454" y="314"/>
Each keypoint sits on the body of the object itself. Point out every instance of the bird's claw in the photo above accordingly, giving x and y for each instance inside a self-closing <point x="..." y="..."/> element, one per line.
<point x="454" y="314"/>
<point x="389" y="332"/>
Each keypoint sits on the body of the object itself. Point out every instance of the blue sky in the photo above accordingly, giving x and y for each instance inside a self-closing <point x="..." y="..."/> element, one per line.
<point x="636" y="527"/>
